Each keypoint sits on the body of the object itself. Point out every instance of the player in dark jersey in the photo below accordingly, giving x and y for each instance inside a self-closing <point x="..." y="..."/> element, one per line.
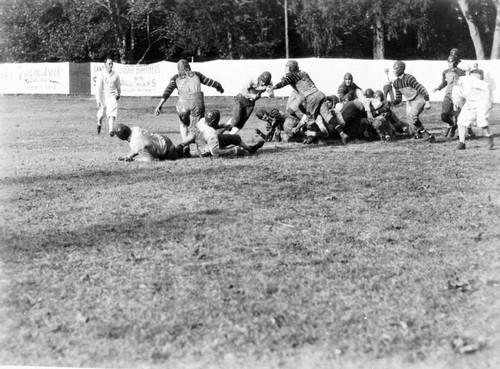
<point x="274" y="123"/>
<point x="244" y="102"/>
<point x="449" y="79"/>
<point x="348" y="90"/>
<point x="190" y="106"/>
<point x="417" y="99"/>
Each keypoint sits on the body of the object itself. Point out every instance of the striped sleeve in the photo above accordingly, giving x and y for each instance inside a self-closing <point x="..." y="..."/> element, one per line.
<point x="290" y="78"/>
<point x="412" y="82"/>
<point x="398" y="95"/>
<point x="172" y="85"/>
<point x="208" y="81"/>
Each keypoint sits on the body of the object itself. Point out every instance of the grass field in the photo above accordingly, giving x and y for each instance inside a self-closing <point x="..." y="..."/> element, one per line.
<point x="370" y="255"/>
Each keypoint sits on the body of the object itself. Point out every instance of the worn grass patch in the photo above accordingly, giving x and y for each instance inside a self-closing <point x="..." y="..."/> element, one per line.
<point x="318" y="255"/>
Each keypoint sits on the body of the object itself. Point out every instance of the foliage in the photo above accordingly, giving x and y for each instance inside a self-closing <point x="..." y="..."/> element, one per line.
<point x="151" y="30"/>
<point x="343" y="254"/>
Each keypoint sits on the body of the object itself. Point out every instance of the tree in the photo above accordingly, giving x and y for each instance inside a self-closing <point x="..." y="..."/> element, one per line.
<point x="360" y="28"/>
<point x="473" y="29"/>
<point x="483" y="20"/>
<point x="227" y="29"/>
<point x="495" y="49"/>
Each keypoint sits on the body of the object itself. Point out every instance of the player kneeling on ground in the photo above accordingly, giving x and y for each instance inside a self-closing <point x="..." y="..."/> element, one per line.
<point x="211" y="143"/>
<point x="385" y="122"/>
<point x="274" y="124"/>
<point x="473" y="96"/>
<point x="145" y="145"/>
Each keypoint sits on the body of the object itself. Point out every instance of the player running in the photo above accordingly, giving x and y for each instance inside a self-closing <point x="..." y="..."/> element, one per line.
<point x="417" y="98"/>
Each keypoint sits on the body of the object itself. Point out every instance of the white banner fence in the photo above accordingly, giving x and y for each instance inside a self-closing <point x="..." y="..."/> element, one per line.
<point x="151" y="79"/>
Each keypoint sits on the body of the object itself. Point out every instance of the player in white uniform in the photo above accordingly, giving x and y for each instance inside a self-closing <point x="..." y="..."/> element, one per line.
<point x="144" y="145"/>
<point x="107" y="94"/>
<point x="211" y="143"/>
<point x="473" y="98"/>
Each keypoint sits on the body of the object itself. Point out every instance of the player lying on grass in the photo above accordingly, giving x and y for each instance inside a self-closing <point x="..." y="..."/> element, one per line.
<point x="145" y="145"/>
<point x="313" y="99"/>
<point x="212" y="143"/>
<point x="352" y="117"/>
<point x="472" y="97"/>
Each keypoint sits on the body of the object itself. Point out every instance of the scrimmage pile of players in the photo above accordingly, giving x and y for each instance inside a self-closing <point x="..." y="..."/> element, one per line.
<point x="310" y="115"/>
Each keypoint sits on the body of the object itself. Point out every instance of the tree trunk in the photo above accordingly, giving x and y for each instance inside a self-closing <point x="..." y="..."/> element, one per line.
<point x="149" y="40"/>
<point x="378" y="39"/>
<point x="495" y="47"/>
<point x="230" y="45"/>
<point x="473" y="30"/>
<point x="113" y="8"/>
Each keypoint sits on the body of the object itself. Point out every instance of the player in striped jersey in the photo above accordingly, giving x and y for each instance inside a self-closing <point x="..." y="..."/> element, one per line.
<point x="417" y="98"/>
<point x="314" y="100"/>
<point x="190" y="106"/>
<point x="274" y="123"/>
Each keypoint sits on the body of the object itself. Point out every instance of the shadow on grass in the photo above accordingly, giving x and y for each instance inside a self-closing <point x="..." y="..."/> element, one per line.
<point x="127" y="233"/>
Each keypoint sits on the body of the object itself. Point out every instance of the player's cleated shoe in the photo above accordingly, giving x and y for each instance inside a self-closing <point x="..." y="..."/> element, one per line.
<point x="431" y="139"/>
<point x="344" y="137"/>
<point x="99" y="127"/>
<point x="461" y="146"/>
<point x="489" y="145"/>
<point x="471" y="134"/>
<point x="254" y="148"/>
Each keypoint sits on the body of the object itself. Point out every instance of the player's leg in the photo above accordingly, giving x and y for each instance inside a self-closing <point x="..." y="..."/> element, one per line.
<point x="414" y="109"/>
<point x="448" y="117"/>
<point x="244" y="115"/>
<point x="483" y="114"/>
<point x="464" y="121"/>
<point x="111" y="112"/>
<point x="101" y="113"/>
<point x="235" y="116"/>
<point x="145" y="156"/>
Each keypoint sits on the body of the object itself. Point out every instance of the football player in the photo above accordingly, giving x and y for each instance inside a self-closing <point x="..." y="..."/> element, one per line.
<point x="211" y="143"/>
<point x="472" y="97"/>
<point x="190" y="105"/>
<point x="417" y="98"/>
<point x="244" y="102"/>
<point x="144" y="145"/>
